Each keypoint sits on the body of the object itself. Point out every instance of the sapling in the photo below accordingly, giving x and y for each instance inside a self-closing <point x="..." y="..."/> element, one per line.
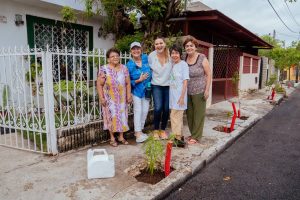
<point x="154" y="151"/>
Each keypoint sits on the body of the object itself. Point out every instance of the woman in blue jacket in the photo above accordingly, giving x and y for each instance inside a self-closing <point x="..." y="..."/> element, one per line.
<point x="140" y="76"/>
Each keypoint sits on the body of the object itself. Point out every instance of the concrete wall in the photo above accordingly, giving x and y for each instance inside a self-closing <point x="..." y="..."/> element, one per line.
<point x="265" y="66"/>
<point x="268" y="70"/>
<point x="12" y="35"/>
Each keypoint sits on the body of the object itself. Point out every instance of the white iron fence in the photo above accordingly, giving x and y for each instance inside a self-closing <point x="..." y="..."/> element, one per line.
<point x="45" y="90"/>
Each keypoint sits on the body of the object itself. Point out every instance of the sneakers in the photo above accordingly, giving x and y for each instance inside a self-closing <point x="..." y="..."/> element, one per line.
<point x="179" y="143"/>
<point x="142" y="138"/>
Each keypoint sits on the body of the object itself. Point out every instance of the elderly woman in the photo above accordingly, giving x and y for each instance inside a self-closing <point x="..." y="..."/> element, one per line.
<point x="160" y="63"/>
<point x="140" y="76"/>
<point x="198" y="88"/>
<point x="113" y="86"/>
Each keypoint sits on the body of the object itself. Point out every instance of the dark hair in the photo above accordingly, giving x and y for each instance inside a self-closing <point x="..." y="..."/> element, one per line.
<point x="112" y="50"/>
<point x="192" y="40"/>
<point x="177" y="49"/>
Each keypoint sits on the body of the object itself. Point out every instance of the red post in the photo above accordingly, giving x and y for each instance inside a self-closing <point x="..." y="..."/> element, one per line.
<point x="233" y="117"/>
<point x="234" y="108"/>
<point x="225" y="129"/>
<point x="168" y="158"/>
<point x="273" y="94"/>
<point x="232" y="122"/>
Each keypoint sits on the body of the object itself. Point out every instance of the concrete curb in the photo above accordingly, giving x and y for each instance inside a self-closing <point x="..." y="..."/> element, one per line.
<point x="197" y="165"/>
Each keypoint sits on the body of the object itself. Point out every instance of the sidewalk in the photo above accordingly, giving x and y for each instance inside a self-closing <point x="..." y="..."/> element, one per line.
<point x="25" y="175"/>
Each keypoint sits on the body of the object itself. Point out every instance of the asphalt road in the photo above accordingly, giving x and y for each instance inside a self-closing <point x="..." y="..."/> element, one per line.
<point x="263" y="164"/>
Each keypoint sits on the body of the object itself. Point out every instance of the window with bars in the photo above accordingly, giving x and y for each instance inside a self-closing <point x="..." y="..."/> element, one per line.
<point x="247" y="65"/>
<point x="254" y="66"/>
<point x="58" y="35"/>
<point x="42" y="32"/>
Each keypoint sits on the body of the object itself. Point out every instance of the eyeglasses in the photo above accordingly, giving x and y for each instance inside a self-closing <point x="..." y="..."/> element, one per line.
<point x="114" y="57"/>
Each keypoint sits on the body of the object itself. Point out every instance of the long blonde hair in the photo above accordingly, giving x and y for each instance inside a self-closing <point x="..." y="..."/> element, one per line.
<point x="166" y="50"/>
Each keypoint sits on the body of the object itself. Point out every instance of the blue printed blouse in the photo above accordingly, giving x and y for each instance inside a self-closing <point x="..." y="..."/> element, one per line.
<point x="138" y="89"/>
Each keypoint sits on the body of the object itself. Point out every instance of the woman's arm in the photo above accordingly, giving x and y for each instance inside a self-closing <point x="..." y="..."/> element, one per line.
<point x="128" y="87"/>
<point x="207" y="72"/>
<point x="100" y="84"/>
<point x="180" y="102"/>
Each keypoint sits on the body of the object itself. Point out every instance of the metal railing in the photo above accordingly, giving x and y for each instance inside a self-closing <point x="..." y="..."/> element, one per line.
<point x="46" y="90"/>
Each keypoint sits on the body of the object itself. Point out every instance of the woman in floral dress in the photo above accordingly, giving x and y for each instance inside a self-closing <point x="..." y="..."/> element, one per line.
<point x="114" y="90"/>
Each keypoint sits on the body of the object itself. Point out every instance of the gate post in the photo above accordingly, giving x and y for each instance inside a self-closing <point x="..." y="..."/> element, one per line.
<point x="49" y="102"/>
<point x="211" y="63"/>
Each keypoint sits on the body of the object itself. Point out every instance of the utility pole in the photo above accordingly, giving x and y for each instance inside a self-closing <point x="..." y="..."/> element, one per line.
<point x="274" y="34"/>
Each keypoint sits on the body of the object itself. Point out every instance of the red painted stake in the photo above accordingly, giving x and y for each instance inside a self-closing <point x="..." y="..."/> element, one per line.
<point x="273" y="94"/>
<point x="168" y="158"/>
<point x="232" y="122"/>
<point x="234" y="108"/>
<point x="233" y="117"/>
<point x="225" y="129"/>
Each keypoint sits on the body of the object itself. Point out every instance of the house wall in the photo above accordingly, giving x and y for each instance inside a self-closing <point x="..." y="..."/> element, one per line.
<point x="249" y="72"/>
<point x="12" y="35"/>
<point x="265" y="66"/>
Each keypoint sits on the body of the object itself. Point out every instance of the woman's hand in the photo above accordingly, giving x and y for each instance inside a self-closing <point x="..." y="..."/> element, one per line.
<point x="206" y="95"/>
<point x="103" y="101"/>
<point x="129" y="98"/>
<point x="180" y="102"/>
<point x="143" y="77"/>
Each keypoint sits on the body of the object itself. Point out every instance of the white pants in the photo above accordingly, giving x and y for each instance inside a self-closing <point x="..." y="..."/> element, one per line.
<point x="140" y="112"/>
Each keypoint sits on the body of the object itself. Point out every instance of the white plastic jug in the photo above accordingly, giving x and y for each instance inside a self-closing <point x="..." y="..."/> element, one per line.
<point x="100" y="166"/>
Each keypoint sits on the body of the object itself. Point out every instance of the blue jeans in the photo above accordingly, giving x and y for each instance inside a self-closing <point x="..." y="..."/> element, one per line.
<point x="161" y="106"/>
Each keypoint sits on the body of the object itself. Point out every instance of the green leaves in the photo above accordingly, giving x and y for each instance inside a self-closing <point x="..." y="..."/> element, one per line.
<point x="154" y="151"/>
<point x="68" y="14"/>
<point x="284" y="57"/>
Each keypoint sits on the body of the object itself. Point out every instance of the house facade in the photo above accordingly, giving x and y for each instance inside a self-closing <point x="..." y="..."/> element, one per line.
<point x="235" y="49"/>
<point x="39" y="22"/>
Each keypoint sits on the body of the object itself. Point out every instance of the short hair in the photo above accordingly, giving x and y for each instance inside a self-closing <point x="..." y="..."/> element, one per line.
<point x="176" y="48"/>
<point x="192" y="40"/>
<point x="112" y="50"/>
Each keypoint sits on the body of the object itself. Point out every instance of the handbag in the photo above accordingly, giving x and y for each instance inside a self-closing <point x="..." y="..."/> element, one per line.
<point x="148" y="92"/>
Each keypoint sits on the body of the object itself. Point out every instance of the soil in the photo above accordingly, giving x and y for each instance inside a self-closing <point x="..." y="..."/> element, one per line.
<point x="146" y="177"/>
<point x="244" y="117"/>
<point x="221" y="129"/>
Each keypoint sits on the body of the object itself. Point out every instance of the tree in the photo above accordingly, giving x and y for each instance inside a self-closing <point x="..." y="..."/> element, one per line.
<point x="284" y="58"/>
<point x="120" y="16"/>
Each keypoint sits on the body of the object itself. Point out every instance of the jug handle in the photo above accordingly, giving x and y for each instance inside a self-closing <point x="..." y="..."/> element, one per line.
<point x="100" y="151"/>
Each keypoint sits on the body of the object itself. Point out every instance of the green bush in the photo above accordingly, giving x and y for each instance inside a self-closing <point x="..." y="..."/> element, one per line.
<point x="272" y="80"/>
<point x="123" y="44"/>
<point x="154" y="150"/>
<point x="279" y="88"/>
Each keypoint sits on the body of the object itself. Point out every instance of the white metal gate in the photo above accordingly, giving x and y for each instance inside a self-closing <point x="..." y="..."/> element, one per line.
<point x="25" y="107"/>
<point x="45" y="90"/>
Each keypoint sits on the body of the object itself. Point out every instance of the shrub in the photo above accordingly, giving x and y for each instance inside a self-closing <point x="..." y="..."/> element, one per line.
<point x="123" y="44"/>
<point x="154" y="151"/>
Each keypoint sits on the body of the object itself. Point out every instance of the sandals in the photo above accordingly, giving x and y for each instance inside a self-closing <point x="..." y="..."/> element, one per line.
<point x="160" y="134"/>
<point x="156" y="134"/>
<point x="123" y="141"/>
<point x="192" y="141"/>
<point x="113" y="143"/>
<point x="163" y="135"/>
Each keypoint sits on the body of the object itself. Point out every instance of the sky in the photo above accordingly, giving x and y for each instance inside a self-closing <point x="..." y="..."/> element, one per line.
<point x="259" y="17"/>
